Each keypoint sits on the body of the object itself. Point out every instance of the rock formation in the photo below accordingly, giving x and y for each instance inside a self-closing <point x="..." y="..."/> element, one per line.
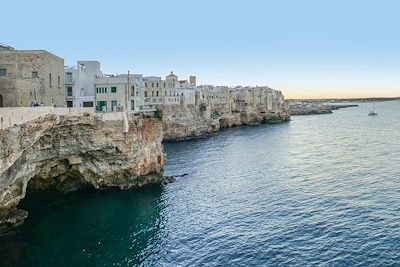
<point x="66" y="153"/>
<point x="180" y="123"/>
<point x="186" y="122"/>
<point x="315" y="108"/>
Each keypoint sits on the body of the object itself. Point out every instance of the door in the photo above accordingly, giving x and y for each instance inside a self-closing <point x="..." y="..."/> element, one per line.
<point x="114" y="105"/>
<point x="101" y="105"/>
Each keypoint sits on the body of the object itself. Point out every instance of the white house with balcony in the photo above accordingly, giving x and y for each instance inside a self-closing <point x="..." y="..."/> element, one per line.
<point x="80" y="84"/>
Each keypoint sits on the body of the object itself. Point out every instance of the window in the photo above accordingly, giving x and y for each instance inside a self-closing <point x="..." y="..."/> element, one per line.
<point x="132" y="105"/>
<point x="152" y="84"/>
<point x="87" y="104"/>
<point x="157" y="93"/>
<point x="34" y="74"/>
<point x="114" y="105"/>
<point x="105" y="90"/>
<point x="69" y="91"/>
<point x="113" y="89"/>
<point x="50" y="79"/>
<point x="164" y="85"/>
<point x="157" y="84"/>
<point x="152" y="93"/>
<point x="145" y="84"/>
<point x="145" y="93"/>
<point x="58" y="80"/>
<point x="132" y="90"/>
<point x="3" y="72"/>
<point x="68" y="77"/>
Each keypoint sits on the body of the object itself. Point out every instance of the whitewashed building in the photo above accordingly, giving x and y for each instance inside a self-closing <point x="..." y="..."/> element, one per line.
<point x="80" y="84"/>
<point x="187" y="92"/>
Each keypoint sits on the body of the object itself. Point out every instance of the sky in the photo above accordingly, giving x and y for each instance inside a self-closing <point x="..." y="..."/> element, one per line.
<point x="307" y="48"/>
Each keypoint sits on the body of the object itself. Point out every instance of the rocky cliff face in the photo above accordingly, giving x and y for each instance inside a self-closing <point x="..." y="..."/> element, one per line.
<point x="67" y="153"/>
<point x="252" y="118"/>
<point x="181" y="123"/>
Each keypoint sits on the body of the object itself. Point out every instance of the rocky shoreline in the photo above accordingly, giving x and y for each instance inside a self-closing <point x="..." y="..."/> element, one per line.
<point x="187" y="123"/>
<point x="67" y="153"/>
<point x="315" y="109"/>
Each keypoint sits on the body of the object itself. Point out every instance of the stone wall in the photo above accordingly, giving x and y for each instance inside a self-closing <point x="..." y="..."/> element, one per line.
<point x="32" y="75"/>
<point x="66" y="153"/>
<point x="17" y="116"/>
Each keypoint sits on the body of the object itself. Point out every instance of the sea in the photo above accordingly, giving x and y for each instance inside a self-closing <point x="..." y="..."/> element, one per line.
<point x="320" y="190"/>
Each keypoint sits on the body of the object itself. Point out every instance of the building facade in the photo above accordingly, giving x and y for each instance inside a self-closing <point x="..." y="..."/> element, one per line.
<point x="30" y="77"/>
<point x="80" y="84"/>
<point x="161" y="92"/>
<point x="119" y="92"/>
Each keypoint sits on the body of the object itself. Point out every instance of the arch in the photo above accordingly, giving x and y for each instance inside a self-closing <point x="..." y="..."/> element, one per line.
<point x="1" y="101"/>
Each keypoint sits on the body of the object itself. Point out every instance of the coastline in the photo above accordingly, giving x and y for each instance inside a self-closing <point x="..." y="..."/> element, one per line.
<point x="316" y="109"/>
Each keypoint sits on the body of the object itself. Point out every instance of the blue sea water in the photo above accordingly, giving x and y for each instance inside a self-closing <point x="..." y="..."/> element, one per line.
<point x="321" y="190"/>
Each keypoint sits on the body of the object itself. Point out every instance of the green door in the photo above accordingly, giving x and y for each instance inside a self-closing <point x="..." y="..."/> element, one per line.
<point x="101" y="105"/>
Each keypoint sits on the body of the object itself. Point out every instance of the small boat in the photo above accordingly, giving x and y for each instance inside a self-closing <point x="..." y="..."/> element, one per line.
<point x="373" y="113"/>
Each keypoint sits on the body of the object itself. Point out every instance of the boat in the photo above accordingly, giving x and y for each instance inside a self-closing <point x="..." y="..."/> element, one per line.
<point x="373" y="113"/>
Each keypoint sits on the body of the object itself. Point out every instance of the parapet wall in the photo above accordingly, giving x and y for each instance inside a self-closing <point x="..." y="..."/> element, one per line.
<point x="16" y="116"/>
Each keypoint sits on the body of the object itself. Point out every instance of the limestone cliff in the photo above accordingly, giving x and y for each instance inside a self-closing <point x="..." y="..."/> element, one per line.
<point x="67" y="153"/>
<point x="252" y="118"/>
<point x="186" y="122"/>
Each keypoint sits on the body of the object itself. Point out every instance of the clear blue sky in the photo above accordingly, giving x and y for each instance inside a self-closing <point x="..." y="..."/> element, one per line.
<point x="306" y="48"/>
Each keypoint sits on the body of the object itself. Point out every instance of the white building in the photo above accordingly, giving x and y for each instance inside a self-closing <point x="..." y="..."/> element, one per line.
<point x="119" y="92"/>
<point x="80" y="83"/>
<point x="187" y="93"/>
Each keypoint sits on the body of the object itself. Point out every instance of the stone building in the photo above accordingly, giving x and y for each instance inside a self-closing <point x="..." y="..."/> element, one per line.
<point x="218" y="98"/>
<point x="161" y="92"/>
<point x="112" y="92"/>
<point x="80" y="84"/>
<point x="30" y="76"/>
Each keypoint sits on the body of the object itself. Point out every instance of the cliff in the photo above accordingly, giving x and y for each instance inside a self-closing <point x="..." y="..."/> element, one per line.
<point x="66" y="153"/>
<point x="252" y="118"/>
<point x="186" y="122"/>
